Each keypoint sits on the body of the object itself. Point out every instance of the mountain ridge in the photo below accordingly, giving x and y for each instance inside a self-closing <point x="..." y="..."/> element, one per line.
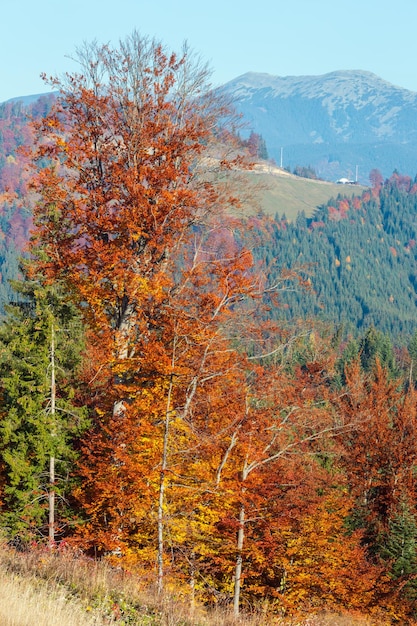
<point x="337" y="123"/>
<point x="333" y="121"/>
<point x="253" y="79"/>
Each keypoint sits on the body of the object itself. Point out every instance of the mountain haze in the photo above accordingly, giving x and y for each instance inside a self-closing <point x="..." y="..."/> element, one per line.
<point x="334" y="122"/>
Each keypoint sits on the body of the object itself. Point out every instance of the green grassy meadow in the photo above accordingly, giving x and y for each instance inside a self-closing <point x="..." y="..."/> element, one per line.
<point x="278" y="192"/>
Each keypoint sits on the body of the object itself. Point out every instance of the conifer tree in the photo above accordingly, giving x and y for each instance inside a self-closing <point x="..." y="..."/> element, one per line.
<point x="399" y="545"/>
<point x="374" y="346"/>
<point x="412" y="350"/>
<point x="38" y="419"/>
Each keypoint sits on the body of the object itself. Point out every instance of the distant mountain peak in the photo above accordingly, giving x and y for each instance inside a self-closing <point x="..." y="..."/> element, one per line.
<point x="332" y="122"/>
<point x="30" y="99"/>
<point x="346" y="82"/>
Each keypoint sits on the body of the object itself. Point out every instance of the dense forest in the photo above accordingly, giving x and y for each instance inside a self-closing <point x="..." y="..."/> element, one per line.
<point x="155" y="414"/>
<point x="358" y="255"/>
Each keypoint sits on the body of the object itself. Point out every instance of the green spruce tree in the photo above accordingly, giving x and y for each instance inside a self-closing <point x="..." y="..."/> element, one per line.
<point x="40" y="352"/>
<point x="375" y="345"/>
<point x="400" y="545"/>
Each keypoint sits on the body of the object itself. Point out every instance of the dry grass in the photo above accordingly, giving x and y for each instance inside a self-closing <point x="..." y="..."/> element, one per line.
<point x="53" y="589"/>
<point x="25" y="602"/>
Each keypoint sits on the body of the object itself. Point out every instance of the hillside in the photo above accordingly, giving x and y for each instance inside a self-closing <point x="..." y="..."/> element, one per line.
<point x="332" y="122"/>
<point x="279" y="192"/>
<point x="359" y="257"/>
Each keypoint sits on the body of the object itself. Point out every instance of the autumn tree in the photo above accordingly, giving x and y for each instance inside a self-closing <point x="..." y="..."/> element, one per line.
<point x="379" y="461"/>
<point x="131" y="216"/>
<point x="119" y="190"/>
<point x="283" y="426"/>
<point x="256" y="146"/>
<point x="376" y="178"/>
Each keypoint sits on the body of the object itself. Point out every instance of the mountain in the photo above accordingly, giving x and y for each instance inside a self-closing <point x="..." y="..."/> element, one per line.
<point x="338" y="123"/>
<point x="27" y="100"/>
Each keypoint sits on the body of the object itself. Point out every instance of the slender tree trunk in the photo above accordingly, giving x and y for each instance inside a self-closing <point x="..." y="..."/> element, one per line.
<point x="51" y="494"/>
<point x="125" y="328"/>
<point x="162" y="488"/>
<point x="239" y="559"/>
<point x="51" y="499"/>
<point x="192" y="584"/>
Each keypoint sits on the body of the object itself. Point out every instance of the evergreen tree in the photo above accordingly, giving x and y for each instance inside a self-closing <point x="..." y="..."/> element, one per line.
<point x="40" y="351"/>
<point x="412" y="350"/>
<point x="350" y="353"/>
<point x="374" y="346"/>
<point x="400" y="545"/>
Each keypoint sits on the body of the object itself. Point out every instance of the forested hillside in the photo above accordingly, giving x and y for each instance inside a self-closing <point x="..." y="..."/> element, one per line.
<point x="359" y="256"/>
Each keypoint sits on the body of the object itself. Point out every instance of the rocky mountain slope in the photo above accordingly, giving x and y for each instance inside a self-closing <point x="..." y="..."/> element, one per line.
<point x="339" y="123"/>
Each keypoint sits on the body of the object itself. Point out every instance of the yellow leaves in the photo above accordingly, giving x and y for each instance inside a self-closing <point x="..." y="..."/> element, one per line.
<point x="324" y="564"/>
<point x="51" y="122"/>
<point x="136" y="235"/>
<point x="62" y="144"/>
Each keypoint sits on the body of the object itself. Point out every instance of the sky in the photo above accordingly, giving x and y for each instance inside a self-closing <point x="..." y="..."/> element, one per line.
<point x="279" y="37"/>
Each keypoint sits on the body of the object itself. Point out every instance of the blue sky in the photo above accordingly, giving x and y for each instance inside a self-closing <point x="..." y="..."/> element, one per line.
<point x="280" y="37"/>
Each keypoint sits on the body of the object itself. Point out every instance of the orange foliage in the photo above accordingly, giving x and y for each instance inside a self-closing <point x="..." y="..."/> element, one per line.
<point x="381" y="454"/>
<point x="324" y="565"/>
<point x="201" y="464"/>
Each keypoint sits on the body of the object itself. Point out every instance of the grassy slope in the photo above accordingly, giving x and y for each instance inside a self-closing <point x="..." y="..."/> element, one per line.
<point x="52" y="589"/>
<point x="277" y="191"/>
<point x="25" y="601"/>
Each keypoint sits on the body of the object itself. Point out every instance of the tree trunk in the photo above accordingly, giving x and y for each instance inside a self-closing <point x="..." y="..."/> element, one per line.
<point x="192" y="584"/>
<point x="51" y="494"/>
<point x="125" y="326"/>
<point x="51" y="502"/>
<point x="162" y="487"/>
<point x="239" y="559"/>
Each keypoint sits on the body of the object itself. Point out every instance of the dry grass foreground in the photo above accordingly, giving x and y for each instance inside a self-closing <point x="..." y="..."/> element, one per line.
<point x="41" y="588"/>
<point x="24" y="602"/>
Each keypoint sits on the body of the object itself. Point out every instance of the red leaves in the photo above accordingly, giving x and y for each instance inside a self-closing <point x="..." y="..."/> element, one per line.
<point x="382" y="452"/>
<point x="194" y="440"/>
